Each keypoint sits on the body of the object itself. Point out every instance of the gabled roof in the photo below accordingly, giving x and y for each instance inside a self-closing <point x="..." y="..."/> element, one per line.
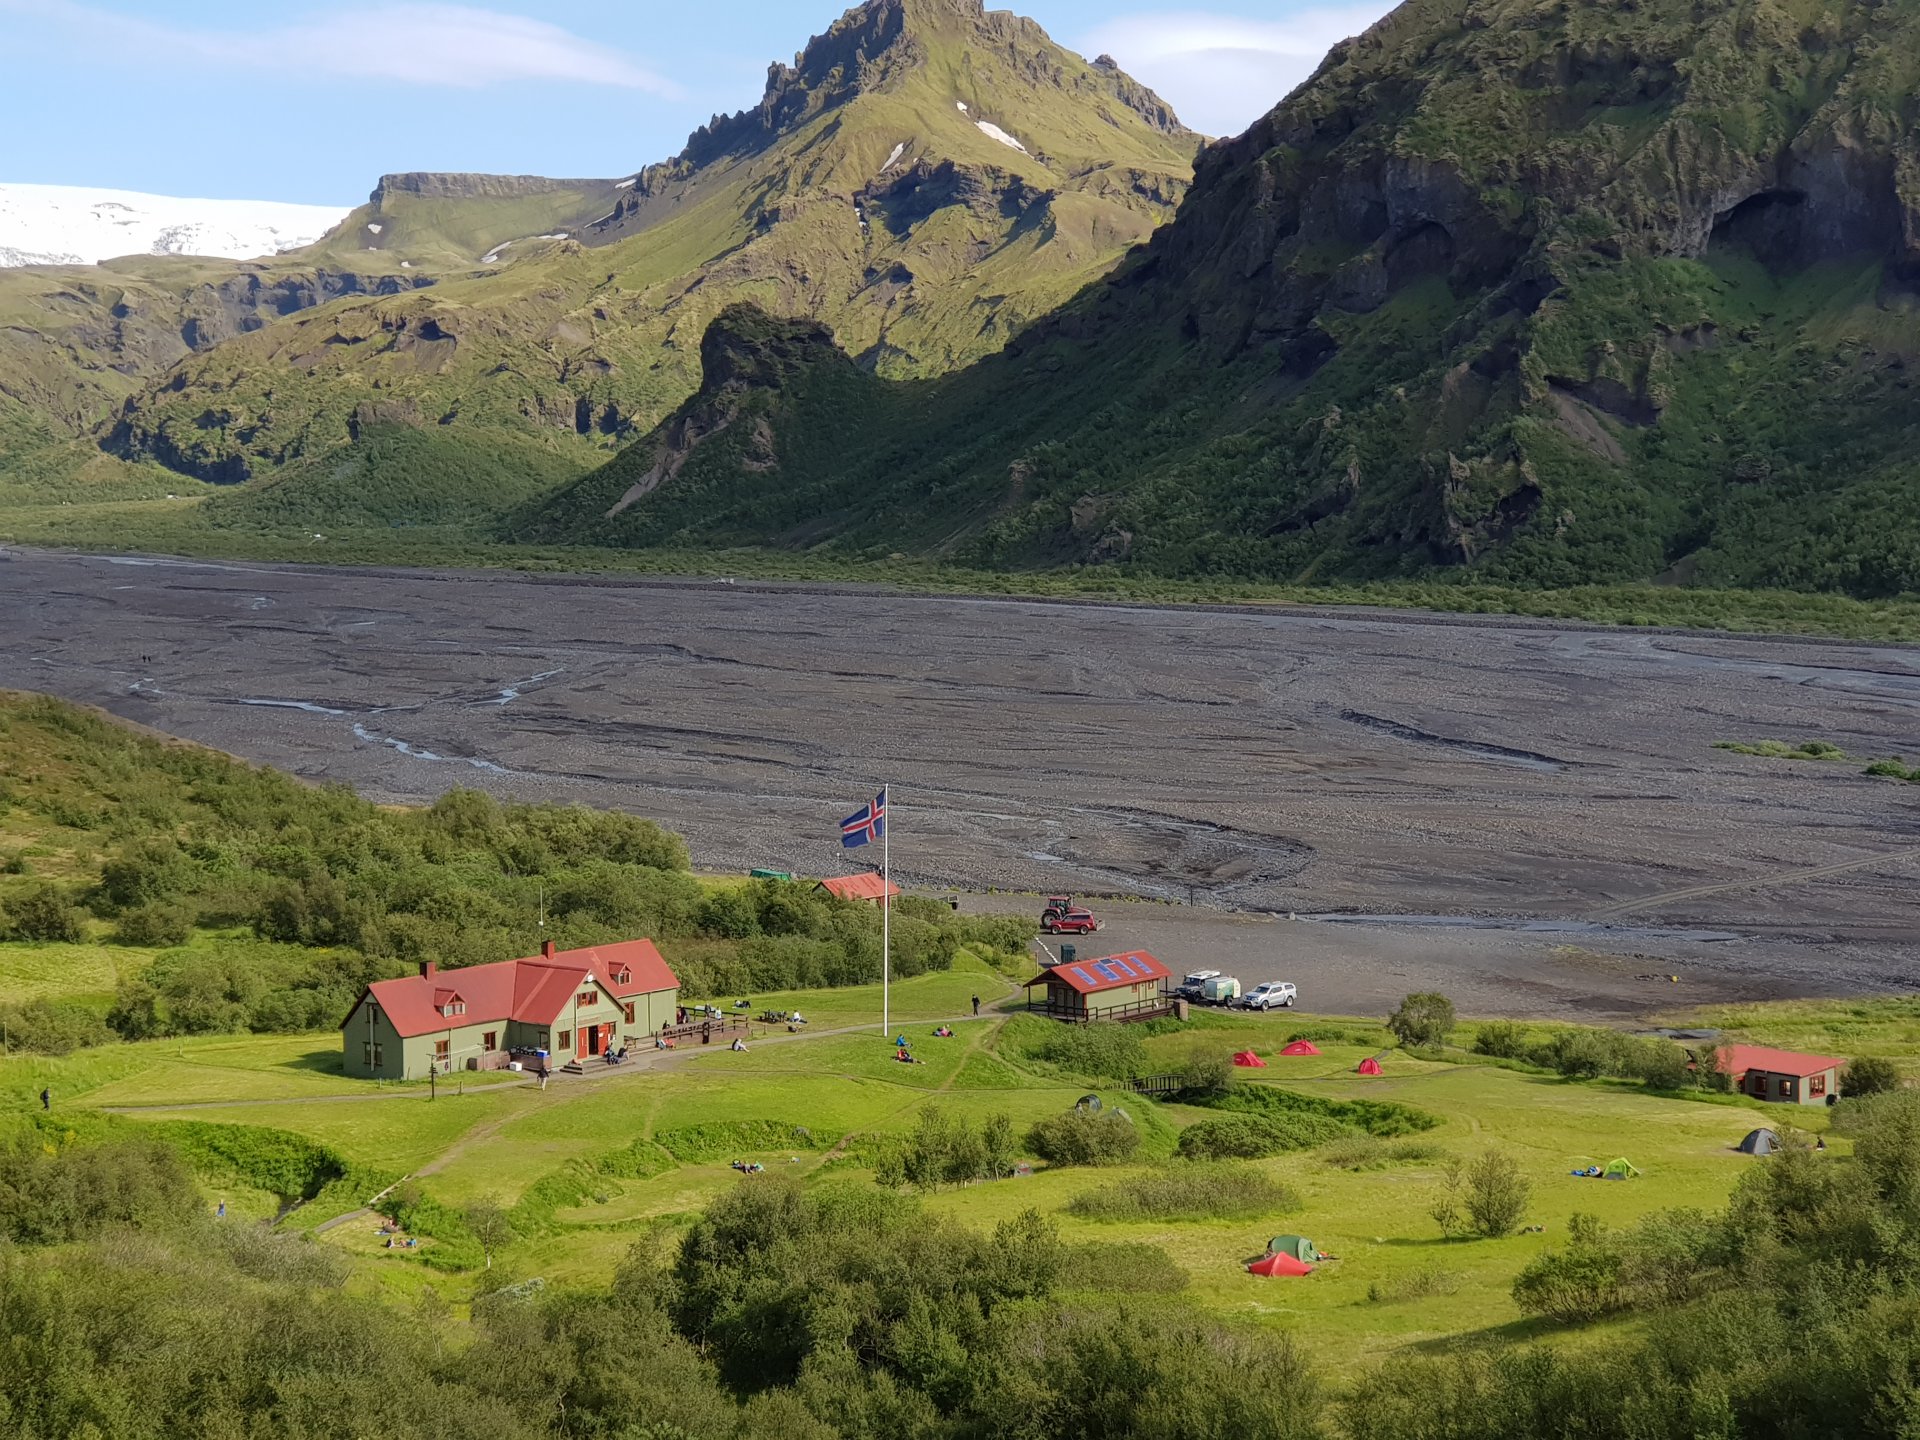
<point x="1738" y="1059"/>
<point x="534" y="991"/>
<point x="1090" y="977"/>
<point x="859" y="887"/>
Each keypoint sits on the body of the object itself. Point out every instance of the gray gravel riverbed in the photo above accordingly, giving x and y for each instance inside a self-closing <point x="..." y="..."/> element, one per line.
<point x="1256" y="764"/>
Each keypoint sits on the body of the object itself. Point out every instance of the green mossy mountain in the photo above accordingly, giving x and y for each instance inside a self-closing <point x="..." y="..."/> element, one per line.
<point x="1535" y="294"/>
<point x="926" y="178"/>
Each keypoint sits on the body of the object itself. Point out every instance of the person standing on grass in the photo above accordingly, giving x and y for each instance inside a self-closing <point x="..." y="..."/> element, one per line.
<point x="46" y="1099"/>
<point x="976" y="1004"/>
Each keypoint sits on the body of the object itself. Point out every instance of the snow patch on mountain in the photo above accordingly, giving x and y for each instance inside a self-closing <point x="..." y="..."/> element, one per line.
<point x="994" y="132"/>
<point x="81" y="225"/>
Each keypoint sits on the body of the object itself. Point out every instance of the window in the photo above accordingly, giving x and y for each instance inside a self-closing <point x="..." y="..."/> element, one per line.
<point x="440" y="1049"/>
<point x="566" y="1038"/>
<point x="629" y="1014"/>
<point x="368" y="1056"/>
<point x="378" y="1062"/>
<point x="587" y="997"/>
<point x="490" y="1041"/>
<point x="373" y="1013"/>
<point x="457" y="1007"/>
<point x="1817" y="1085"/>
<point x="1786" y="1088"/>
<point x="624" y="977"/>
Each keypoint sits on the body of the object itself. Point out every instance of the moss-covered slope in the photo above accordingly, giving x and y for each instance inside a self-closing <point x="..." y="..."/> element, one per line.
<point x="926" y="179"/>
<point x="1540" y="293"/>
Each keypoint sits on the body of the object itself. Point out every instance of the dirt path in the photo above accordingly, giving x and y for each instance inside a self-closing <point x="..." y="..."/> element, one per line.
<point x="1789" y="877"/>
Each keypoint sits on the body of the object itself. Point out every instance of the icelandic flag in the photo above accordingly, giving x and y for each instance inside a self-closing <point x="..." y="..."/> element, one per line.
<point x="866" y="825"/>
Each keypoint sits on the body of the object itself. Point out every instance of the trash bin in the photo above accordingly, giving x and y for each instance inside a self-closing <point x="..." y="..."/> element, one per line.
<point x="1067" y="952"/>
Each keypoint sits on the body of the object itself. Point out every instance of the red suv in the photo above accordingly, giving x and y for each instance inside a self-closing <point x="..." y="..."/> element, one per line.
<point x="1070" y="922"/>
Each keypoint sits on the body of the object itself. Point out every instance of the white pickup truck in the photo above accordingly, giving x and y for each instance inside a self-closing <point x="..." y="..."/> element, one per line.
<point x="1270" y="995"/>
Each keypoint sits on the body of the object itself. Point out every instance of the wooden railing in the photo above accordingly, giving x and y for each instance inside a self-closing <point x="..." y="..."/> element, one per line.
<point x="1161" y="1004"/>
<point x="1156" y="1085"/>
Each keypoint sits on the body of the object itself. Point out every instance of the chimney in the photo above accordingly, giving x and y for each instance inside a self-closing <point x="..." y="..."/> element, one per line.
<point x="428" y="969"/>
<point x="546" y="948"/>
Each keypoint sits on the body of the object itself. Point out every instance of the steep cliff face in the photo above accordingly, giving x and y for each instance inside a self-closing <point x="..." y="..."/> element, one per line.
<point x="925" y="180"/>
<point x="1544" y="293"/>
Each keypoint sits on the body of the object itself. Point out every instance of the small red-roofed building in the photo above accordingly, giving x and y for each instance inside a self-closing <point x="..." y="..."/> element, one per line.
<point x="1786" y="1076"/>
<point x="573" y="1004"/>
<point x="1129" y="986"/>
<point x="868" y="886"/>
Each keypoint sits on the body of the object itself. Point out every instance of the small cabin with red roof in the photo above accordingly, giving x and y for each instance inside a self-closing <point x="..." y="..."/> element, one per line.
<point x="1786" y="1076"/>
<point x="574" y="1004"/>
<point x="870" y="887"/>
<point x="1129" y="986"/>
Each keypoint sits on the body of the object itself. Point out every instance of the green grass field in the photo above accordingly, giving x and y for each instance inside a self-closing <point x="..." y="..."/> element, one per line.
<point x="503" y="1141"/>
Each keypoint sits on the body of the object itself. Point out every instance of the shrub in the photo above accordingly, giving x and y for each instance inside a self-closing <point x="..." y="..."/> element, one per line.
<point x="1366" y="1152"/>
<point x="51" y="1027"/>
<point x="1496" y="1194"/>
<point x="1187" y="1192"/>
<point x="1082" y="1138"/>
<point x="55" y="1193"/>
<point x="1253" y="1137"/>
<point x="1424" y="1019"/>
<point x="1122" y="1268"/>
<point x="1663" y="1066"/>
<point x="46" y="913"/>
<point x="156" y="924"/>
<point x="1869" y="1075"/>
<point x="1106" y="1052"/>
<point x="1578" y="1284"/>
<point x="1376" y="1117"/>
<point x="1205" y="1072"/>
<point x="946" y="1149"/>
<point x="1413" y="1285"/>
<point x="1502" y="1039"/>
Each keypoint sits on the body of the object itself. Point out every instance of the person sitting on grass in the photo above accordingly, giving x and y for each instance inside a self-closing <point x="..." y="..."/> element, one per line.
<point x="943" y="1033"/>
<point x="739" y="1044"/>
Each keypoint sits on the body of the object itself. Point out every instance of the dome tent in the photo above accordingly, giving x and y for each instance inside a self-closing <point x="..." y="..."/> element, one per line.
<point x="1298" y="1246"/>
<point x="1301" y="1047"/>
<point x="1250" y="1060"/>
<point x="1760" y="1142"/>
<point x="1620" y="1169"/>
<point x="1368" y="1066"/>
<point x="1279" y="1265"/>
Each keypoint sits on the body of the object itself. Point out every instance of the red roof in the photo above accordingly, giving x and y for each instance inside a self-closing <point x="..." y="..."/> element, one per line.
<point x="534" y="991"/>
<point x="1738" y="1059"/>
<point x="1090" y="977"/>
<point x="859" y="887"/>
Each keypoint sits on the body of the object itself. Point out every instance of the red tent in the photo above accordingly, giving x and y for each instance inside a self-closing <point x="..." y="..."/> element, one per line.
<point x="1279" y="1264"/>
<point x="1250" y="1060"/>
<point x="1369" y="1066"/>
<point x="1300" y="1047"/>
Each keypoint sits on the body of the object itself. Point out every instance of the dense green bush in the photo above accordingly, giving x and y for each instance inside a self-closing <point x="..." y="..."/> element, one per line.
<point x="1424" y="1019"/>
<point x="1869" y="1075"/>
<point x="51" y="1027"/>
<point x="1385" y="1118"/>
<point x="43" y="912"/>
<point x="1187" y="1192"/>
<point x="53" y="1191"/>
<point x="1081" y="1137"/>
<point x="947" y="1149"/>
<point x="1253" y="1137"/>
<point x="1100" y="1052"/>
<point x="1123" y="1267"/>
<point x="1503" y="1039"/>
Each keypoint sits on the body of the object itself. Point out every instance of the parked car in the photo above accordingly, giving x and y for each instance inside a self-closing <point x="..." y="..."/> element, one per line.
<point x="1219" y="990"/>
<point x="1193" y="987"/>
<point x="1070" y="922"/>
<point x="1271" y="995"/>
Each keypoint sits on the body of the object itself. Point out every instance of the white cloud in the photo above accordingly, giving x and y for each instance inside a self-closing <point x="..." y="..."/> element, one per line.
<point x="418" y="44"/>
<point x="1223" y="72"/>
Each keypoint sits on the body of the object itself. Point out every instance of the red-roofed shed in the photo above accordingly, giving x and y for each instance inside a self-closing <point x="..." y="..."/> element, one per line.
<point x="868" y="886"/>
<point x="571" y="1003"/>
<point x="1788" y="1076"/>
<point x="1128" y="986"/>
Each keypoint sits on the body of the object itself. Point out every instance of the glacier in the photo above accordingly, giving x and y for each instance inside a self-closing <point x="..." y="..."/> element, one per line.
<point x="82" y="225"/>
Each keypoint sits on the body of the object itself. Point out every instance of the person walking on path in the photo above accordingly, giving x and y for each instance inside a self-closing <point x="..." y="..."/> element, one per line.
<point x="46" y="1100"/>
<point x="976" y="1004"/>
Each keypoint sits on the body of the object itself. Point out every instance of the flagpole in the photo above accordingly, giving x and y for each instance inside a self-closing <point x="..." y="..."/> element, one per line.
<point x="886" y="912"/>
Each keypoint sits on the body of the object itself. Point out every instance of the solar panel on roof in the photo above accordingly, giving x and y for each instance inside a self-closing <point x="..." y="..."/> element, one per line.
<point x="1125" y="966"/>
<point x="1107" y="972"/>
<point x="1081" y="971"/>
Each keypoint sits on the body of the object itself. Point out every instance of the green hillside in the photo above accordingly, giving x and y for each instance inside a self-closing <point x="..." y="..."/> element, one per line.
<point x="927" y="179"/>
<point x="1533" y="295"/>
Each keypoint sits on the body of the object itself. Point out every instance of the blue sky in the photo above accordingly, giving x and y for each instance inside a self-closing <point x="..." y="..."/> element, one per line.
<point x="313" y="101"/>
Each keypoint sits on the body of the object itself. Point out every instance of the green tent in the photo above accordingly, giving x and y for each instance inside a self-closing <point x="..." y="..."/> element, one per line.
<point x="1298" y="1246"/>
<point x="1620" y="1169"/>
